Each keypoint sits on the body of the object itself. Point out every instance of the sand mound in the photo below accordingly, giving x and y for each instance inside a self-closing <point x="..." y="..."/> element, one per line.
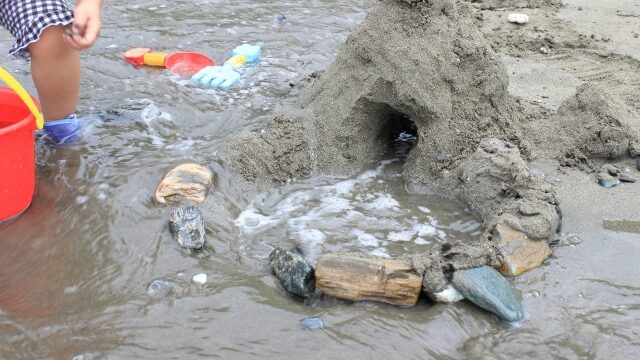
<point x="422" y="65"/>
<point x="424" y="61"/>
<point x="495" y="183"/>
<point x="261" y="160"/>
<point x="593" y="124"/>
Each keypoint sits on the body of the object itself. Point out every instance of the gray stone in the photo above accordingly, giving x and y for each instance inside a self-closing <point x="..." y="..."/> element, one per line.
<point x="626" y="178"/>
<point x="611" y="169"/>
<point x="486" y="288"/>
<point x="638" y="162"/>
<point x="312" y="323"/>
<point x="607" y="181"/>
<point x="187" y="226"/>
<point x="295" y="274"/>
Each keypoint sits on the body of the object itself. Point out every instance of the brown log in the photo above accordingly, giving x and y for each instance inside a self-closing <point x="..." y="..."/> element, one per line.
<point x="357" y="277"/>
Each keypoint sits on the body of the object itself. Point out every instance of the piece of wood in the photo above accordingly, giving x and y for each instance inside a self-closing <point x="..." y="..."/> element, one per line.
<point x="355" y="277"/>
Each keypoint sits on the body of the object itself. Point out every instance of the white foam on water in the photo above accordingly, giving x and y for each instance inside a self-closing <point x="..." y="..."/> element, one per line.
<point x="382" y="252"/>
<point x="312" y="236"/>
<point x="365" y="239"/>
<point x="383" y="201"/>
<point x="252" y="219"/>
<point x="151" y="112"/>
<point x="331" y="214"/>
<point x="405" y="235"/>
<point x="334" y="204"/>
<point x="424" y="230"/>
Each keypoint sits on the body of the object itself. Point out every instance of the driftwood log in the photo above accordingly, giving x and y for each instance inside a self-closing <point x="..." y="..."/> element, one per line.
<point x="357" y="277"/>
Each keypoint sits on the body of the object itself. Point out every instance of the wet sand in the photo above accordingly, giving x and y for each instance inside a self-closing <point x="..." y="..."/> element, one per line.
<point x="594" y="272"/>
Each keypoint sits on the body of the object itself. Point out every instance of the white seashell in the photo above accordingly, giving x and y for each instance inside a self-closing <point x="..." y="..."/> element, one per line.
<point x="518" y="18"/>
<point x="200" y="279"/>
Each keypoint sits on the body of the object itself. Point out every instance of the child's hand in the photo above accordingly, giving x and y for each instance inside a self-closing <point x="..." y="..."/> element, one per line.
<point x="86" y="25"/>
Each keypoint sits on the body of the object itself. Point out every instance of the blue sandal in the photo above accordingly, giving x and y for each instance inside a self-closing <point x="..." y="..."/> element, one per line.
<point x="64" y="131"/>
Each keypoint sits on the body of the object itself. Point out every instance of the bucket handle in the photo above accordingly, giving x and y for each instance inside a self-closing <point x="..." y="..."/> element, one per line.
<point x="23" y="94"/>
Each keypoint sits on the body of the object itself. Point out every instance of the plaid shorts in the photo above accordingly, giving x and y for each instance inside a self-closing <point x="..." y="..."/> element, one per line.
<point x="26" y="19"/>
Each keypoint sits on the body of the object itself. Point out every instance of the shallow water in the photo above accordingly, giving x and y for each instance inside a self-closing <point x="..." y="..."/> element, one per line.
<point x="76" y="270"/>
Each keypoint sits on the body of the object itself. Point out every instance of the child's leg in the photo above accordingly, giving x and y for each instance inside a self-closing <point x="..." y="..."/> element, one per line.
<point x="55" y="67"/>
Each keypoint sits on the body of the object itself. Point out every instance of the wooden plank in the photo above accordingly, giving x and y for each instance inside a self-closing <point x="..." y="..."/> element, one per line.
<point x="356" y="277"/>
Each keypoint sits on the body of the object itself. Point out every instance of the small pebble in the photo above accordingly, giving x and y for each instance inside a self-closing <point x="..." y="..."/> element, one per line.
<point x="543" y="50"/>
<point x="312" y="323"/>
<point x="280" y="18"/>
<point x="638" y="162"/>
<point x="607" y="181"/>
<point x="448" y="295"/>
<point x="159" y="289"/>
<point x="200" y="279"/>
<point x="611" y="169"/>
<point x="627" y="178"/>
<point x="518" y="18"/>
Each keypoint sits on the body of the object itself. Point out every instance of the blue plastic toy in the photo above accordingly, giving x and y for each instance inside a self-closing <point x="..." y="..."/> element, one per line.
<point x="226" y="75"/>
<point x="217" y="76"/>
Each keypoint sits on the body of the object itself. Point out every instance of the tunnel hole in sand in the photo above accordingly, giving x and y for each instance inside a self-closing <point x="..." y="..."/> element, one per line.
<point x="398" y="132"/>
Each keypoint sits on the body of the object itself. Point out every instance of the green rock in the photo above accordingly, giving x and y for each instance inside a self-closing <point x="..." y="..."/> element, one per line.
<point x="486" y="288"/>
<point x="295" y="274"/>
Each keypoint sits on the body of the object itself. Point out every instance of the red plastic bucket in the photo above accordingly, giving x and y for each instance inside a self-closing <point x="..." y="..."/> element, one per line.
<point x="17" y="155"/>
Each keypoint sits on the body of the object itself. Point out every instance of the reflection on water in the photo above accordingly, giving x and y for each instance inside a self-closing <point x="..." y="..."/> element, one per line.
<point x="622" y="226"/>
<point x="76" y="268"/>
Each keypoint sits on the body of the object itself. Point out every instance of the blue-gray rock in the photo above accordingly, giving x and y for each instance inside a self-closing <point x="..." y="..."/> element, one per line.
<point x="607" y="181"/>
<point x="486" y="288"/>
<point x="638" y="162"/>
<point x="187" y="226"/>
<point x="626" y="178"/>
<point x="159" y="289"/>
<point x="295" y="274"/>
<point x="312" y="323"/>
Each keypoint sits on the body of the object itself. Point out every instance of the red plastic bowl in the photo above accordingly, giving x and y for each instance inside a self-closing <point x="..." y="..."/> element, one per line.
<point x="187" y="63"/>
